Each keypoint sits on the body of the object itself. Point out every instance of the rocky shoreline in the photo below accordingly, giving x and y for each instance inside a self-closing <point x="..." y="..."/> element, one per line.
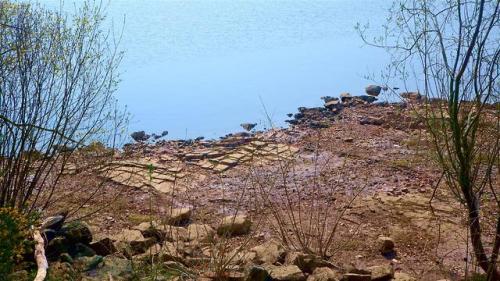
<point x="203" y="201"/>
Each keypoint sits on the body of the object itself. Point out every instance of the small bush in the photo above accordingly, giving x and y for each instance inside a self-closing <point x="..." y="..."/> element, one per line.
<point x="14" y="233"/>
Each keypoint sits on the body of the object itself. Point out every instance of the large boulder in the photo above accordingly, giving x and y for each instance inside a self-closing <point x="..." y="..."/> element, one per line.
<point x="269" y="252"/>
<point x="285" y="273"/>
<point x="324" y="274"/>
<point x="373" y="90"/>
<point x="234" y="225"/>
<point x="140" y="136"/>
<point x="77" y="232"/>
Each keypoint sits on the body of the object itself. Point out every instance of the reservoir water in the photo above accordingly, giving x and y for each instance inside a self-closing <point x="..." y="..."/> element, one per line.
<point x="200" y="68"/>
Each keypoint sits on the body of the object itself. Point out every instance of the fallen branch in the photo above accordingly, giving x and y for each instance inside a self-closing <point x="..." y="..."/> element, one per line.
<point x="41" y="260"/>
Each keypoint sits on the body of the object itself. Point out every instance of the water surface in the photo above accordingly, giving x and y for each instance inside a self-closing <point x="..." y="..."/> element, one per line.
<point x="200" y="68"/>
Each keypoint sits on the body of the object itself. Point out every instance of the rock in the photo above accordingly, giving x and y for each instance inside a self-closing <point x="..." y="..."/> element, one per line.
<point x="345" y="97"/>
<point x="307" y="262"/>
<point x="65" y="257"/>
<point x="112" y="268"/>
<point x="61" y="271"/>
<point x="334" y="103"/>
<point x="366" y="99"/>
<point x="285" y="273"/>
<point x="348" y="139"/>
<point x="234" y="225"/>
<point x="140" y="136"/>
<point x="82" y="250"/>
<point x="400" y="276"/>
<point x="373" y="90"/>
<point x="371" y="121"/>
<point x="356" y="277"/>
<point x="54" y="223"/>
<point x="161" y="253"/>
<point x="178" y="216"/>
<point x="248" y="126"/>
<point x="87" y="263"/>
<point x="173" y="233"/>
<point x="385" y="245"/>
<point x="381" y="272"/>
<point x="56" y="247"/>
<point x="49" y="234"/>
<point x="270" y="252"/>
<point x="328" y="98"/>
<point x="132" y="242"/>
<point x="77" y="232"/>
<point x="104" y="247"/>
<point x="200" y="232"/>
<point x="257" y="273"/>
<point x="324" y="274"/>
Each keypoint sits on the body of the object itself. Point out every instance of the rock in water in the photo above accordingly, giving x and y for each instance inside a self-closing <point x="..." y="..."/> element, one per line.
<point x="373" y="90"/>
<point x="248" y="126"/>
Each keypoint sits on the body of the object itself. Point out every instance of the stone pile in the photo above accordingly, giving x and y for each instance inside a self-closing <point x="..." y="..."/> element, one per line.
<point x="323" y="117"/>
<point x="176" y="242"/>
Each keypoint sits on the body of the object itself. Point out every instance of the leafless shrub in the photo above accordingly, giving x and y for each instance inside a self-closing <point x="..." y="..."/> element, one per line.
<point x="451" y="50"/>
<point x="306" y="200"/>
<point x="58" y="74"/>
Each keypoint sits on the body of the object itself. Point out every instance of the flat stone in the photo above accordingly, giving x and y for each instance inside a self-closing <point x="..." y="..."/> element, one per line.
<point x="356" y="277"/>
<point x="381" y="272"/>
<point x="324" y="274"/>
<point x="200" y="232"/>
<point x="400" y="276"/>
<point x="286" y="273"/>
<point x="221" y="168"/>
<point x="234" y="225"/>
<point x="269" y="252"/>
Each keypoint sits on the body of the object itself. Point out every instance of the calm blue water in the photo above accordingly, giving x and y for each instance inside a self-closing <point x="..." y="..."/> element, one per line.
<point x="198" y="68"/>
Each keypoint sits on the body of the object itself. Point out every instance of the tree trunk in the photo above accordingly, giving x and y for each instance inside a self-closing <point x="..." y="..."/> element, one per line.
<point x="477" y="243"/>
